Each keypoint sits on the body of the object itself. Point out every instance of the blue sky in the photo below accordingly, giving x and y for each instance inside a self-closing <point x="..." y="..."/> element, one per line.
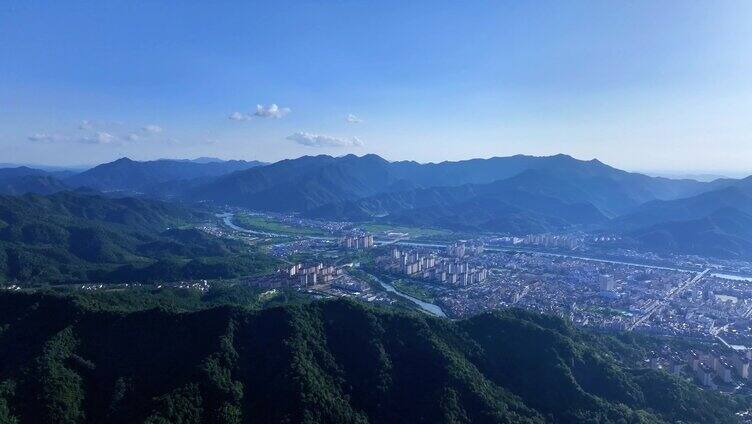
<point x="647" y="85"/>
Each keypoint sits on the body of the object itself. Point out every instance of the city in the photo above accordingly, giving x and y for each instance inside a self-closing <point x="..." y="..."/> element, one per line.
<point x="370" y="212"/>
<point x="640" y="293"/>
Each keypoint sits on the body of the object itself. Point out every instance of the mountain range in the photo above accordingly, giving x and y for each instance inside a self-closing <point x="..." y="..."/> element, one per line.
<point x="21" y="180"/>
<point x="513" y="195"/>
<point x="153" y="178"/>
<point x="104" y="359"/>
<point x="77" y="237"/>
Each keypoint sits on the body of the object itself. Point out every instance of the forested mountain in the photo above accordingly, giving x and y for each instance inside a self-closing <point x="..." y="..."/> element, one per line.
<point x="308" y="183"/>
<point x="725" y="233"/>
<point x="302" y="184"/>
<point x="717" y="223"/>
<point x="532" y="201"/>
<point x="744" y="184"/>
<point x="22" y="180"/>
<point x="685" y="209"/>
<point x="330" y="361"/>
<point x="514" y="195"/>
<point x="55" y="171"/>
<point x="636" y="188"/>
<point x="69" y="237"/>
<point x="352" y="187"/>
<point x="144" y="177"/>
<point x="20" y="171"/>
<point x="155" y="178"/>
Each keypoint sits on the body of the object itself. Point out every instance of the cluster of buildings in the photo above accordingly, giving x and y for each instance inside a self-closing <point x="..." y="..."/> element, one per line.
<point x="462" y="249"/>
<point x="298" y="275"/>
<point x="712" y="368"/>
<point x="709" y="367"/>
<point x="611" y="296"/>
<point x="301" y="245"/>
<point x="564" y="241"/>
<point x="552" y="240"/>
<point x="430" y="266"/>
<point x="309" y="275"/>
<point x="357" y="241"/>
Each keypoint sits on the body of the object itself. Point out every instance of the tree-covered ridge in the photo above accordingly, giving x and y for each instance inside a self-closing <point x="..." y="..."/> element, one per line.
<point x="72" y="237"/>
<point x="331" y="361"/>
<point x="158" y="177"/>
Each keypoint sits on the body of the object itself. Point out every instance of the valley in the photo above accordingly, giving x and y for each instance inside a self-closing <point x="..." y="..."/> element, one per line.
<point x="537" y="245"/>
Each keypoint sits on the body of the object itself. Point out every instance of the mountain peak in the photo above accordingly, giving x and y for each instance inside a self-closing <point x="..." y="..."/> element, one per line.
<point x="372" y="157"/>
<point x="123" y="160"/>
<point x="562" y="156"/>
<point x="206" y="159"/>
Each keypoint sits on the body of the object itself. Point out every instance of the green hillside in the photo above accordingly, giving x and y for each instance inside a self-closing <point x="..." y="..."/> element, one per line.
<point x="331" y="361"/>
<point x="71" y="237"/>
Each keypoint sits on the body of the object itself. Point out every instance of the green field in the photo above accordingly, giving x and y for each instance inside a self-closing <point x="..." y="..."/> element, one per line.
<point x="270" y="225"/>
<point x="415" y="289"/>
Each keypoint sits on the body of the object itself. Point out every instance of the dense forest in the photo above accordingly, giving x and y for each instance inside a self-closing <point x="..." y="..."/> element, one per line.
<point x="115" y="358"/>
<point x="78" y="237"/>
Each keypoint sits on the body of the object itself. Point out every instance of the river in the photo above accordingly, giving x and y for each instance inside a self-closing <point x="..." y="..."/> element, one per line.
<point x="432" y="309"/>
<point x="427" y="307"/>
<point x="227" y="218"/>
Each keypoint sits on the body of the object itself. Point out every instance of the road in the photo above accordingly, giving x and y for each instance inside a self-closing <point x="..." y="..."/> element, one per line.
<point x="658" y="305"/>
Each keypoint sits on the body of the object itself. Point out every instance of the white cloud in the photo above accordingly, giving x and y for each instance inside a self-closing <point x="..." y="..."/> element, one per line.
<point x="152" y="129"/>
<point x="272" y="111"/>
<point x="237" y="116"/>
<point x="103" y="133"/>
<point x="45" y="138"/>
<point x="100" y="137"/>
<point x="353" y="119"/>
<point x="318" y="140"/>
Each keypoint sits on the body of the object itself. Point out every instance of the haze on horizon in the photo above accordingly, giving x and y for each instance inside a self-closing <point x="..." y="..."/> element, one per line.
<point x="640" y="85"/>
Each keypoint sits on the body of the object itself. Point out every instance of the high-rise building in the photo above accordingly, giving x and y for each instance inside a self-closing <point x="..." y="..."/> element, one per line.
<point x="607" y="283"/>
<point x="363" y="241"/>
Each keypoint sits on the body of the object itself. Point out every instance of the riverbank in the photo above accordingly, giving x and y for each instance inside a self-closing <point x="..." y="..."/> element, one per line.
<point x="430" y="308"/>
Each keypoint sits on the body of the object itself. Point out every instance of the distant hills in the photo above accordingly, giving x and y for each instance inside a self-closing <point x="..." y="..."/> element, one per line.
<point x="153" y="178"/>
<point x="71" y="237"/>
<point x="302" y="184"/>
<point x="149" y="177"/>
<point x="310" y="182"/>
<point x="726" y="233"/>
<point x="714" y="223"/>
<point x="685" y="209"/>
<point x="514" y="195"/>
<point x="99" y="358"/>
<point x="23" y="180"/>
<point x="530" y="202"/>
